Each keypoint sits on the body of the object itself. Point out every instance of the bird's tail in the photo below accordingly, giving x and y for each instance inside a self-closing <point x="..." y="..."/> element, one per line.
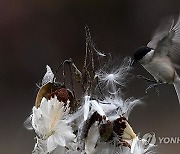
<point x="177" y="87"/>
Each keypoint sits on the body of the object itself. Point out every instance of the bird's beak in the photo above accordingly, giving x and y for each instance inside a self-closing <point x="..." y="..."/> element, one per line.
<point x="133" y="62"/>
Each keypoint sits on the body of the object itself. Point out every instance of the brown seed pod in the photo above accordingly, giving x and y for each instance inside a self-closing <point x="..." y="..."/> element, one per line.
<point x="105" y="131"/>
<point x="50" y="90"/>
<point x="77" y="73"/>
<point x="88" y="123"/>
<point x="63" y="95"/>
<point x="43" y="92"/>
<point x="122" y="128"/>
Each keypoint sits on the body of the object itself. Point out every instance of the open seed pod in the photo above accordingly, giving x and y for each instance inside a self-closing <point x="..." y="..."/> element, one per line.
<point x="50" y="90"/>
<point x="105" y="131"/>
<point x="63" y="95"/>
<point x="124" y="131"/>
<point x="43" y="92"/>
<point x="77" y="73"/>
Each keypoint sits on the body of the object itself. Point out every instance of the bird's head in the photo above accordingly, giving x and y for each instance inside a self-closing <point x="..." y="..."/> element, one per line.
<point x="143" y="55"/>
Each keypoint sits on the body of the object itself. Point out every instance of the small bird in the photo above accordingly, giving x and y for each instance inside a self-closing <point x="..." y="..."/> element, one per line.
<point x="161" y="56"/>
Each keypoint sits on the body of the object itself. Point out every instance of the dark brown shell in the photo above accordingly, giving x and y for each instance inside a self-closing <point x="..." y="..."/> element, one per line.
<point x="63" y="95"/>
<point x="105" y="131"/>
<point x="119" y="125"/>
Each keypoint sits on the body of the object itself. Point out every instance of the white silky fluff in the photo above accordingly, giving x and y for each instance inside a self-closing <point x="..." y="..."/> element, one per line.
<point x="91" y="140"/>
<point x="86" y="106"/>
<point x="139" y="148"/>
<point x="90" y="106"/>
<point x="111" y="107"/>
<point x="110" y="79"/>
<point x="40" y="146"/>
<point x="48" y="77"/>
<point x="128" y="105"/>
<point x="107" y="148"/>
<point x="116" y="106"/>
<point x="49" y="123"/>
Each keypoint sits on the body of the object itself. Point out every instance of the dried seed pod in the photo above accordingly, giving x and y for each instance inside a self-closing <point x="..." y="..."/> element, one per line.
<point x="88" y="123"/>
<point x="128" y="132"/>
<point x="43" y="92"/>
<point x="122" y="128"/>
<point x="50" y="90"/>
<point x="106" y="130"/>
<point x="63" y="95"/>
<point x="123" y="131"/>
<point x="77" y="73"/>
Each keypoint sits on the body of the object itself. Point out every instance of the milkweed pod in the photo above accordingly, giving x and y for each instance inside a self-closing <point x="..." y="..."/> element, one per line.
<point x="77" y="73"/>
<point x="123" y="129"/>
<point x="43" y="92"/>
<point x="50" y="90"/>
<point x="63" y="95"/>
<point x="128" y="133"/>
<point x="106" y="130"/>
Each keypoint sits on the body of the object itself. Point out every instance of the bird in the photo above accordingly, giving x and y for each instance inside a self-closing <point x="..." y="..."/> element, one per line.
<point x="161" y="56"/>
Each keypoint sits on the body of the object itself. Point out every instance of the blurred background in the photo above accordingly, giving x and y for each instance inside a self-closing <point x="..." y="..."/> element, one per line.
<point x="39" y="32"/>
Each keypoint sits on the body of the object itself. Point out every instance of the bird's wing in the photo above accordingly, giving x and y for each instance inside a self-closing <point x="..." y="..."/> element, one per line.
<point x="166" y="41"/>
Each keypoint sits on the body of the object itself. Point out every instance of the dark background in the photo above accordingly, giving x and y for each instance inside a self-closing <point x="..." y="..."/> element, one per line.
<point x="34" y="33"/>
